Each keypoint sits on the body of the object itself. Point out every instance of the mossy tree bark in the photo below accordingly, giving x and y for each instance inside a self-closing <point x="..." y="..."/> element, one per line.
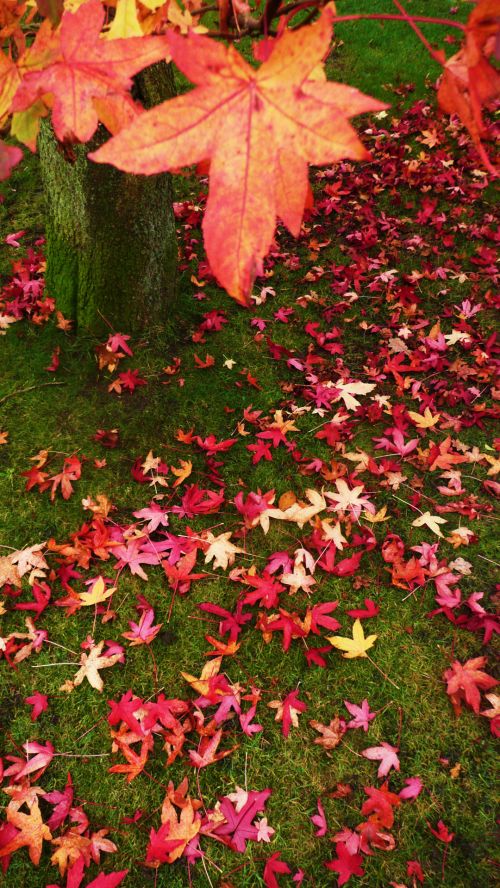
<point x="111" y="241"/>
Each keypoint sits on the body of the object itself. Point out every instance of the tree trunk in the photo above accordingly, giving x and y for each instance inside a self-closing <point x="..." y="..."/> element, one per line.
<point x="111" y="241"/>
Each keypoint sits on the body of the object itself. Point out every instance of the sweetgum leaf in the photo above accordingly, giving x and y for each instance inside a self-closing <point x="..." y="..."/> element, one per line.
<point x="259" y="129"/>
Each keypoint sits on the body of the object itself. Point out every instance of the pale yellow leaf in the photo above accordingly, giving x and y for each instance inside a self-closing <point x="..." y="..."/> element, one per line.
<point x="355" y="646"/>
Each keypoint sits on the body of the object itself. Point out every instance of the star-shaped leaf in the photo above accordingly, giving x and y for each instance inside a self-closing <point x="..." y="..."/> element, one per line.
<point x="32" y="832"/>
<point x="355" y="646"/>
<point x="430" y="521"/>
<point x="91" y="663"/>
<point x="77" y="67"/>
<point x="259" y="128"/>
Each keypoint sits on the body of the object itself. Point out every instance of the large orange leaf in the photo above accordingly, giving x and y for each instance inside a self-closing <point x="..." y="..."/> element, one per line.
<point x="259" y="129"/>
<point x="73" y="66"/>
<point x="32" y="832"/>
<point x="470" y="82"/>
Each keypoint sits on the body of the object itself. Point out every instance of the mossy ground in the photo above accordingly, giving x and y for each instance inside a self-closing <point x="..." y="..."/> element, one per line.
<point x="412" y="649"/>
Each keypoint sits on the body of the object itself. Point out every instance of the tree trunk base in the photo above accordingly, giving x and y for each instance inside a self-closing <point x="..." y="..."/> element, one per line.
<point x="111" y="240"/>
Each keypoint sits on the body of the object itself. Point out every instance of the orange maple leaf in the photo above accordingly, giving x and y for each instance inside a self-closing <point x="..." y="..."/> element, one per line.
<point x="32" y="832"/>
<point x="77" y="67"/>
<point x="259" y="128"/>
<point x="442" y="457"/>
<point x="136" y="762"/>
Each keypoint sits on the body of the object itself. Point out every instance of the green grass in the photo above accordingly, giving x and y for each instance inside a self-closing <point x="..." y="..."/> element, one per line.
<point x="412" y="650"/>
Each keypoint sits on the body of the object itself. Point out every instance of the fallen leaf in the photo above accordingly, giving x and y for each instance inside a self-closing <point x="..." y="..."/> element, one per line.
<point x="355" y="646"/>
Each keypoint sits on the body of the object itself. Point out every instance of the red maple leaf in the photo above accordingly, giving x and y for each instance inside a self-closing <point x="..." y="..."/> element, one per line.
<point x="345" y="864"/>
<point x="273" y="866"/>
<point x="196" y="501"/>
<point x="71" y="471"/>
<point x="287" y="711"/>
<point x="267" y="590"/>
<point x="370" y="610"/>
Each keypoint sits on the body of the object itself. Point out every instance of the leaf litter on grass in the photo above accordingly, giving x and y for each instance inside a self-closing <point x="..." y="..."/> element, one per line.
<point x="352" y="418"/>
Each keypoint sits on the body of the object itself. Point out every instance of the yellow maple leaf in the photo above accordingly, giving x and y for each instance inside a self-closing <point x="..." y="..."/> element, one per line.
<point x="126" y="21"/>
<point x="355" y="646"/>
<point x="98" y="593"/>
<point x="424" y="420"/>
<point x="430" y="521"/>
<point x="381" y="515"/>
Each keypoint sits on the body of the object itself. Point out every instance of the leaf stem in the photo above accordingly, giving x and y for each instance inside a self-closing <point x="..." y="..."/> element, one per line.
<point x="393" y="683"/>
<point x="376" y="16"/>
<point x="438" y="57"/>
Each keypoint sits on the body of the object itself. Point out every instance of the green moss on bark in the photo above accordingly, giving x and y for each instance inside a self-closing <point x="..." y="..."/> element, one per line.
<point x="111" y="241"/>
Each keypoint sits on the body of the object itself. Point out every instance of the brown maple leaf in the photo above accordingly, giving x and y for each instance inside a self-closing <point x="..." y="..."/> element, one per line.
<point x="331" y="734"/>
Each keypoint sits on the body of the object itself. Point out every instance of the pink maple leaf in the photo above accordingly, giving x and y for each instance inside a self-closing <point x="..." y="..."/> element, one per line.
<point x="239" y="828"/>
<point x="118" y="342"/>
<point x="22" y="767"/>
<point x="264" y="831"/>
<point x="13" y="239"/>
<point x="39" y="702"/>
<point x="131" y="555"/>
<point x="398" y="443"/>
<point x="62" y="802"/>
<point x="246" y="722"/>
<point x="143" y="632"/>
<point x="154" y="515"/>
<point x="319" y="820"/>
<point x="386" y="755"/>
<point x="446" y="596"/>
<point x="413" y="788"/>
<point x="361" y="713"/>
